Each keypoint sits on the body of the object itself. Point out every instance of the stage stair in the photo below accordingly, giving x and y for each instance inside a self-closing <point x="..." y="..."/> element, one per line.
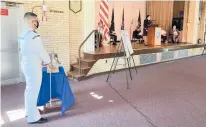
<point x="86" y="65"/>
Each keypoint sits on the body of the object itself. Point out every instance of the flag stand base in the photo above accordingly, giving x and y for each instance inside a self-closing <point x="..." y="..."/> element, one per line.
<point x="56" y="106"/>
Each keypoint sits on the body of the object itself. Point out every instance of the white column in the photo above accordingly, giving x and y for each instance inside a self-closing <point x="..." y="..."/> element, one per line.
<point x="192" y="24"/>
<point x="196" y="22"/>
<point x="89" y="24"/>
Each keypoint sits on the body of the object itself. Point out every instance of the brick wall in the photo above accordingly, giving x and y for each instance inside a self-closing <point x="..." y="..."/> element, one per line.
<point x="76" y="33"/>
<point x="63" y="32"/>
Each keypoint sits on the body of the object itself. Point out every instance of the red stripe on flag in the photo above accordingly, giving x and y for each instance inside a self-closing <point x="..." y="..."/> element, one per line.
<point x="104" y="18"/>
<point x="105" y="31"/>
<point x="105" y="5"/>
<point x="105" y="38"/>
<point x="104" y="21"/>
<point x="102" y="9"/>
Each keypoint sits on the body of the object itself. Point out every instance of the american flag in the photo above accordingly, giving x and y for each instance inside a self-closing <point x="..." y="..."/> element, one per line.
<point x="104" y="18"/>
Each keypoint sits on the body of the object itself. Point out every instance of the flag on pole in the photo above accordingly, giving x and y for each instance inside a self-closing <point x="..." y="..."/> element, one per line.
<point x="104" y="18"/>
<point x="122" y="26"/>
<point x="139" y="19"/>
<point x="112" y="21"/>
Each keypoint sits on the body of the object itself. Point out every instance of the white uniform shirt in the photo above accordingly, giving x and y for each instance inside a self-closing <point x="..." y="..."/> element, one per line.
<point x="163" y="32"/>
<point x="32" y="49"/>
<point x="175" y="32"/>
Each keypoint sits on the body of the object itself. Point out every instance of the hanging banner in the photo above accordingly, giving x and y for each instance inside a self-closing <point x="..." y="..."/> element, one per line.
<point x="4" y="12"/>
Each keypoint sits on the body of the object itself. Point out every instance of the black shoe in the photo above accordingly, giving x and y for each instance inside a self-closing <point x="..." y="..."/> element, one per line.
<point x="40" y="121"/>
<point x="114" y="43"/>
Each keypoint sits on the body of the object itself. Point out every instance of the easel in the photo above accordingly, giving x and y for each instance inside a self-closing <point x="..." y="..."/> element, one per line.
<point x="126" y="62"/>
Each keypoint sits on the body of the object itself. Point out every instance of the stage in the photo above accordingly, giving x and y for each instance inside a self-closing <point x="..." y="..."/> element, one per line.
<point x="100" y="61"/>
<point x="107" y="49"/>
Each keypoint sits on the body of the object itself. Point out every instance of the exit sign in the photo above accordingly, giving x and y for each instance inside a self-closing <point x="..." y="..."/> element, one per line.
<point x="4" y="12"/>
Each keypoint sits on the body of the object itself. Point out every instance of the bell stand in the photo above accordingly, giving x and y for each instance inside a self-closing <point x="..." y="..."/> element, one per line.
<point x="50" y="107"/>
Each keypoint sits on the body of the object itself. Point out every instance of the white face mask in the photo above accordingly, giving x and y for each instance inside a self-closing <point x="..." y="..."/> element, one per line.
<point x="148" y="18"/>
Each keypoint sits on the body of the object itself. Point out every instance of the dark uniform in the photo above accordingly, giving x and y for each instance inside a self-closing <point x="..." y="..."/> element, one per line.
<point x="136" y="34"/>
<point x="147" y="23"/>
<point x="114" y="36"/>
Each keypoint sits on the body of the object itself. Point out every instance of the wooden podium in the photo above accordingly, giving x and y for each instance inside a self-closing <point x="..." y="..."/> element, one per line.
<point x="154" y="36"/>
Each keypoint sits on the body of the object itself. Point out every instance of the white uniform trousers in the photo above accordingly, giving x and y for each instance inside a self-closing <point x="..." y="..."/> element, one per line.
<point x="33" y="83"/>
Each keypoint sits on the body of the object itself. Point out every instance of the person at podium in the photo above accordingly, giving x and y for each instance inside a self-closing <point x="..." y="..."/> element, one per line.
<point x="147" y="23"/>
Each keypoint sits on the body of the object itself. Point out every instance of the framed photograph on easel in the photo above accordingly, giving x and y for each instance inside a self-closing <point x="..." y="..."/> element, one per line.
<point x="127" y="43"/>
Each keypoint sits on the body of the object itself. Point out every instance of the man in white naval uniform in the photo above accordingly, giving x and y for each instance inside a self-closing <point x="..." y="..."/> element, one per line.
<point x="33" y="54"/>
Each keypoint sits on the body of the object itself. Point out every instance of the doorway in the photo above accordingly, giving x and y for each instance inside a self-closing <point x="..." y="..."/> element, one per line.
<point x="178" y="17"/>
<point x="11" y="27"/>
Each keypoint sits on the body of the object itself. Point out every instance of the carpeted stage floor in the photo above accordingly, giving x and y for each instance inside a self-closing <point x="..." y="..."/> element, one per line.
<point x="169" y="94"/>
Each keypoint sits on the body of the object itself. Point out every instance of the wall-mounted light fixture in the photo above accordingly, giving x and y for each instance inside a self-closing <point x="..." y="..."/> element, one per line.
<point x="44" y="10"/>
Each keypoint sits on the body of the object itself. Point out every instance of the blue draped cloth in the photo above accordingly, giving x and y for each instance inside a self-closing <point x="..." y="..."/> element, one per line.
<point x="60" y="89"/>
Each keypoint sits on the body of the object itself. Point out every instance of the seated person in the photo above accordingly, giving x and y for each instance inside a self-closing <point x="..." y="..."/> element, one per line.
<point x="98" y="39"/>
<point x="136" y="33"/>
<point x="113" y="35"/>
<point x="163" y="35"/>
<point x="98" y="34"/>
<point x="174" y="35"/>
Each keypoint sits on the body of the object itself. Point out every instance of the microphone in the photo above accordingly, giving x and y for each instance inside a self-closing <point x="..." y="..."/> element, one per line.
<point x="153" y="21"/>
